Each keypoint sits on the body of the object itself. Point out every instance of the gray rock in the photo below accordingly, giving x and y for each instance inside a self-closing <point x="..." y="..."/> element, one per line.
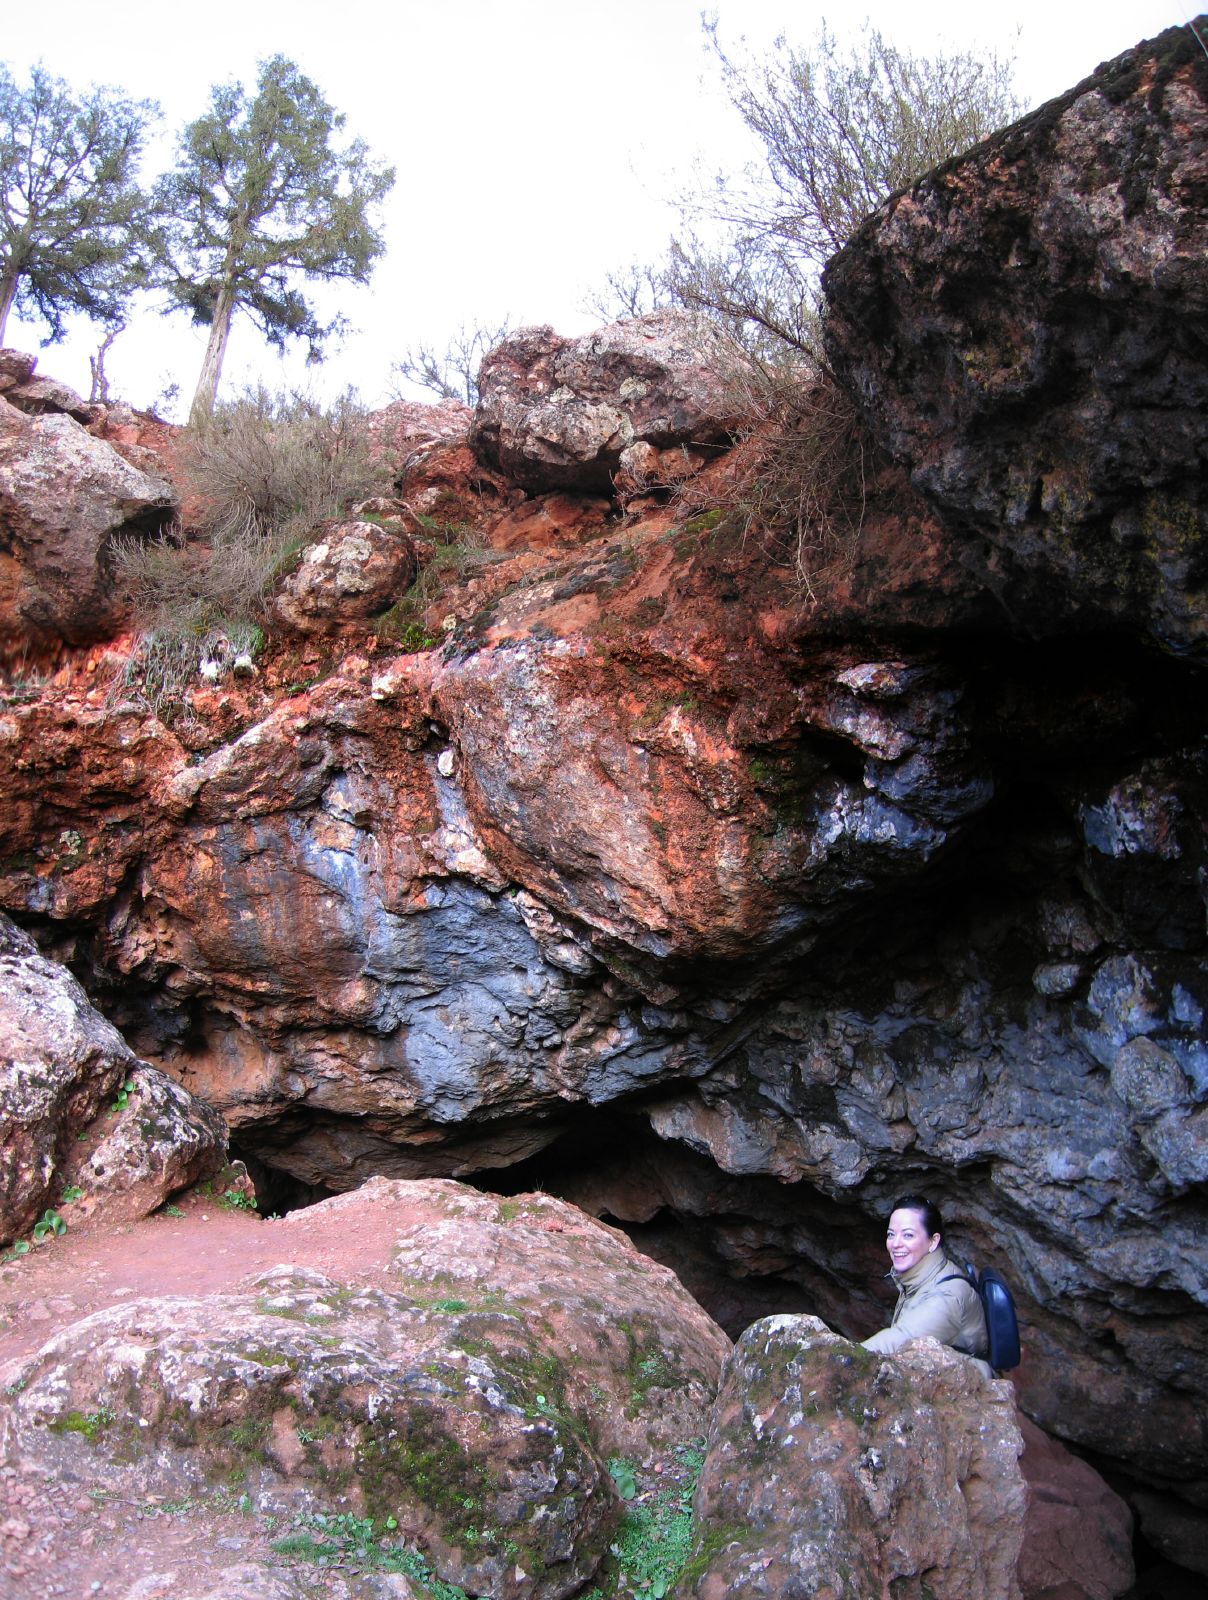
<point x="1037" y="354"/>
<point x="64" y="497"/>
<point x="65" y="1118"/>
<point x="825" y="1461"/>
<point x="558" y="413"/>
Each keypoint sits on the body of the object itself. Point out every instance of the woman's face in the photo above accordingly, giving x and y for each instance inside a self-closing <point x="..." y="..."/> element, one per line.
<point x="907" y="1240"/>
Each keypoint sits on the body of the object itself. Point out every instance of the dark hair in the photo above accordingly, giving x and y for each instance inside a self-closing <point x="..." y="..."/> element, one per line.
<point x="929" y="1215"/>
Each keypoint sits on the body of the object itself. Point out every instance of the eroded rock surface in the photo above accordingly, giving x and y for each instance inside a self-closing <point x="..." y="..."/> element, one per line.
<point x="832" y="1472"/>
<point x="79" y="1111"/>
<point x="1025" y="329"/>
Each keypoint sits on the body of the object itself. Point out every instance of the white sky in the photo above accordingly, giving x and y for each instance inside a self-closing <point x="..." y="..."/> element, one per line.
<point x="536" y="141"/>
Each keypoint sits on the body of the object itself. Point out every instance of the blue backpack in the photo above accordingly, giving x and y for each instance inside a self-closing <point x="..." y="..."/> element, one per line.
<point x="998" y="1307"/>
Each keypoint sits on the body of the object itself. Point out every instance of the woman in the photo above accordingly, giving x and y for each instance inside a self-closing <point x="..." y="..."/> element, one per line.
<point x="935" y="1298"/>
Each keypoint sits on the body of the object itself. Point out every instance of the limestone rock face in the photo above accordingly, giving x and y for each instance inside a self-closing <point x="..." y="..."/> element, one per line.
<point x="78" y="1109"/>
<point x="1025" y="330"/>
<point x="559" y="413"/>
<point x="64" y="497"/>
<point x="353" y="571"/>
<point x="473" y="1396"/>
<point x="830" y="1471"/>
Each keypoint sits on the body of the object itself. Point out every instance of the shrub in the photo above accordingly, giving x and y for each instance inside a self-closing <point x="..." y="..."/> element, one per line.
<point x="799" y="481"/>
<point x="263" y="471"/>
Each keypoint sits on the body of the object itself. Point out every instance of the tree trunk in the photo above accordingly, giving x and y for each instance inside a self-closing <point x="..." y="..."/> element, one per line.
<point x="8" y="293"/>
<point x="211" y="367"/>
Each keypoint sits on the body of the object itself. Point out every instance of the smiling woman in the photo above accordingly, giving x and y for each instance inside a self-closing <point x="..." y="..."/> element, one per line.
<point x="935" y="1299"/>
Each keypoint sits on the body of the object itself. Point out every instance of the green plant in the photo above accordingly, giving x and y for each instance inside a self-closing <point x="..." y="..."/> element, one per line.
<point x="73" y="222"/>
<point x="171" y="1210"/>
<point x="122" y="1098"/>
<point x="91" y="1424"/>
<point x="49" y="1225"/>
<point x="237" y="1200"/>
<point x="655" y="1536"/>
<point x="401" y="627"/>
<point x="262" y="199"/>
<point x="71" y="1194"/>
<point x="341" y="1538"/>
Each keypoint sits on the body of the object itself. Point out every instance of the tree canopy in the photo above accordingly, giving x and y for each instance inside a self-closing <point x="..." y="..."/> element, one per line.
<point x="72" y="217"/>
<point x="261" y="197"/>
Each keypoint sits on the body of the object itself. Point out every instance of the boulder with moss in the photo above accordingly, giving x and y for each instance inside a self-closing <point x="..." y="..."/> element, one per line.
<point x="465" y="1385"/>
<point x="838" y="1474"/>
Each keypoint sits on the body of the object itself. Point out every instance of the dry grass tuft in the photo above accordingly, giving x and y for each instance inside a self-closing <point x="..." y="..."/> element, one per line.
<point x="265" y="471"/>
<point x="799" y="483"/>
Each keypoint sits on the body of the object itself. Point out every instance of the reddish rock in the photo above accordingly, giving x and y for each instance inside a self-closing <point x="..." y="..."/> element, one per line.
<point x="1078" y="1534"/>
<point x="16" y="366"/>
<point x="352" y="572"/>
<point x="551" y="522"/>
<point x="406" y="431"/>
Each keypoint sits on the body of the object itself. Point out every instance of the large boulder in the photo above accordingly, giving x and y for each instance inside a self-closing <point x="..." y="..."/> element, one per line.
<point x="836" y="1473"/>
<point x="79" y="1111"/>
<point x="1025" y="329"/>
<point x="462" y="1387"/>
<point x="557" y="413"/>
<point x="65" y="496"/>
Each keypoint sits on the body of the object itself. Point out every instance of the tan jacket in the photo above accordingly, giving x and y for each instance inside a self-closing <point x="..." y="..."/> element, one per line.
<point x="949" y="1311"/>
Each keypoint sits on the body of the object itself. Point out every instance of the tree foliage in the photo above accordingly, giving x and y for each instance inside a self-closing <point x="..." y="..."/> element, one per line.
<point x="73" y="219"/>
<point x="451" y="373"/>
<point x="261" y="198"/>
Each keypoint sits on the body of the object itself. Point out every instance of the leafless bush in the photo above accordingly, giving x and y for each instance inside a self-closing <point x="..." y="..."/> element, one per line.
<point x="451" y="373"/>
<point x="799" y="479"/>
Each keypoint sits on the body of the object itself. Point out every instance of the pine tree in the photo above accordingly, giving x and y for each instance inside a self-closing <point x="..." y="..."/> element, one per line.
<point x="261" y="198"/>
<point x="72" y="217"/>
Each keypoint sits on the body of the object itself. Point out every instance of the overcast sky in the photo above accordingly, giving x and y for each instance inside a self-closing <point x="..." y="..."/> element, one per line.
<point x="537" y="142"/>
